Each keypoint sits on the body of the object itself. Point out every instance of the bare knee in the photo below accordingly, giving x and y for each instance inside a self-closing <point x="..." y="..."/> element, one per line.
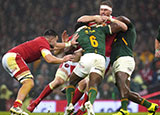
<point x="57" y="82"/>
<point x="122" y="84"/>
<point x="28" y="82"/>
<point x="95" y="79"/>
<point x="83" y="84"/>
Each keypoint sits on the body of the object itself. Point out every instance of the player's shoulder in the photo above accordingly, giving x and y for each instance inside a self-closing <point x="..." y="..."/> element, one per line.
<point x="39" y="37"/>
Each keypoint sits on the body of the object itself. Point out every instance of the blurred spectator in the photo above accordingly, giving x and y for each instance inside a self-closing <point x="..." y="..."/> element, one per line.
<point x="138" y="85"/>
<point x="156" y="75"/>
<point x="40" y="83"/>
<point x="146" y="72"/>
<point x="105" y="91"/>
<point x="146" y="57"/>
<point x="5" y="95"/>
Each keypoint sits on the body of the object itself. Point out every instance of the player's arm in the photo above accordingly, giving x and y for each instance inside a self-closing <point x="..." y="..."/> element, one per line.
<point x="157" y="44"/>
<point x="117" y="26"/>
<point x="67" y="44"/>
<point x="93" y="18"/>
<point x="157" y="48"/>
<point x="58" y="51"/>
<point x="52" y="59"/>
<point x="64" y="38"/>
<point x="77" y="54"/>
<point x="123" y="19"/>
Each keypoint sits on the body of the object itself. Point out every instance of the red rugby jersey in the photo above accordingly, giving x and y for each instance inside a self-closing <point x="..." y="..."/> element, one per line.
<point x="109" y="41"/>
<point x="31" y="50"/>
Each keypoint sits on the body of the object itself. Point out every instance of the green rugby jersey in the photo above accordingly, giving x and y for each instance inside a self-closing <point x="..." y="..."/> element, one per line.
<point x="124" y="43"/>
<point x="92" y="39"/>
<point x="158" y="36"/>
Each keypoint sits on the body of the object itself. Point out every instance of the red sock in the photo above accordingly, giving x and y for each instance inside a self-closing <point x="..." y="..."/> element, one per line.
<point x="85" y="99"/>
<point x="78" y="94"/>
<point x="46" y="91"/>
<point x="17" y="104"/>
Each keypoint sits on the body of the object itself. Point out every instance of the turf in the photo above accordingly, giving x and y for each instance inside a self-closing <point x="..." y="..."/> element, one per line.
<point x="8" y="113"/>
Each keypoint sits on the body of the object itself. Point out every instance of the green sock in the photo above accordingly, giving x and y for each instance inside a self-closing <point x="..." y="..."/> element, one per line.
<point x="124" y="103"/>
<point x="146" y="103"/>
<point x="92" y="94"/>
<point x="70" y="93"/>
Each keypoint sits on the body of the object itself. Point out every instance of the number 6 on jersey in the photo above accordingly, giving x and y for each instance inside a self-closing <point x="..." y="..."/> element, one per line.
<point x="93" y="41"/>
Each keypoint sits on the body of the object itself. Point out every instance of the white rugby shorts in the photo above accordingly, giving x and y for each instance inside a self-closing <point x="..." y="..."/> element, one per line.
<point x="89" y="63"/>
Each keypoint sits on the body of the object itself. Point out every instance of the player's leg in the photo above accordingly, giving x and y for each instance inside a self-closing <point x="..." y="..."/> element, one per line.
<point x="82" y="110"/>
<point x="18" y="69"/>
<point x="123" y="84"/>
<point x="94" y="81"/>
<point x="61" y="77"/>
<point x="121" y="80"/>
<point x="123" y="68"/>
<point x="95" y="77"/>
<point x="82" y="85"/>
<point x="22" y="93"/>
<point x="70" y="90"/>
<point x="79" y="73"/>
<point x="135" y="97"/>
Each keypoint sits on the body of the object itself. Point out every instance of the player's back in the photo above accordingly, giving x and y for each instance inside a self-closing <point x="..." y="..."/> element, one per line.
<point x="92" y="39"/>
<point x="124" y="43"/>
<point x="31" y="50"/>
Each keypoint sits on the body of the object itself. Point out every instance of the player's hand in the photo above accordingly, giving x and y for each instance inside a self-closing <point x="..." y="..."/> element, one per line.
<point x="64" y="36"/>
<point x="106" y="18"/>
<point x="77" y="54"/>
<point x="68" y="58"/>
<point x="157" y="53"/>
<point x="98" y="19"/>
<point x="75" y="37"/>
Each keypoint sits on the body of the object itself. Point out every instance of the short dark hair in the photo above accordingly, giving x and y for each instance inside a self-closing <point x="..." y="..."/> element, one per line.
<point x="80" y="24"/>
<point x="107" y="2"/>
<point x="50" y="32"/>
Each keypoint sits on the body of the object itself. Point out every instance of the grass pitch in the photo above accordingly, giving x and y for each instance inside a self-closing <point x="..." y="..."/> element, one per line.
<point x="8" y="113"/>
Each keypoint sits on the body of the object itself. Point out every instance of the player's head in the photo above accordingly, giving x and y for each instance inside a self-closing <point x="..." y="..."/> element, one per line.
<point x="105" y="8"/>
<point x="79" y="24"/>
<point x="50" y="32"/>
<point x="51" y="36"/>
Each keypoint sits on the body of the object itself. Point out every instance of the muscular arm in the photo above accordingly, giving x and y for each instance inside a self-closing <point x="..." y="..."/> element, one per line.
<point x="157" y="48"/>
<point x="157" y="44"/>
<point x="67" y="44"/>
<point x="117" y="26"/>
<point x="93" y="18"/>
<point x="52" y="59"/>
<point x="77" y="54"/>
<point x="123" y="19"/>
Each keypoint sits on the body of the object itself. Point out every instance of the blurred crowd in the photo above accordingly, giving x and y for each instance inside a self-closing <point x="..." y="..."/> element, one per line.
<point x="22" y="20"/>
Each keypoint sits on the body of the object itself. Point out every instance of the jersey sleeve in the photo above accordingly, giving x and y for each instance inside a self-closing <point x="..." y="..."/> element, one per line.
<point x="107" y="29"/>
<point x="45" y="52"/>
<point x="158" y="35"/>
<point x="43" y="44"/>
